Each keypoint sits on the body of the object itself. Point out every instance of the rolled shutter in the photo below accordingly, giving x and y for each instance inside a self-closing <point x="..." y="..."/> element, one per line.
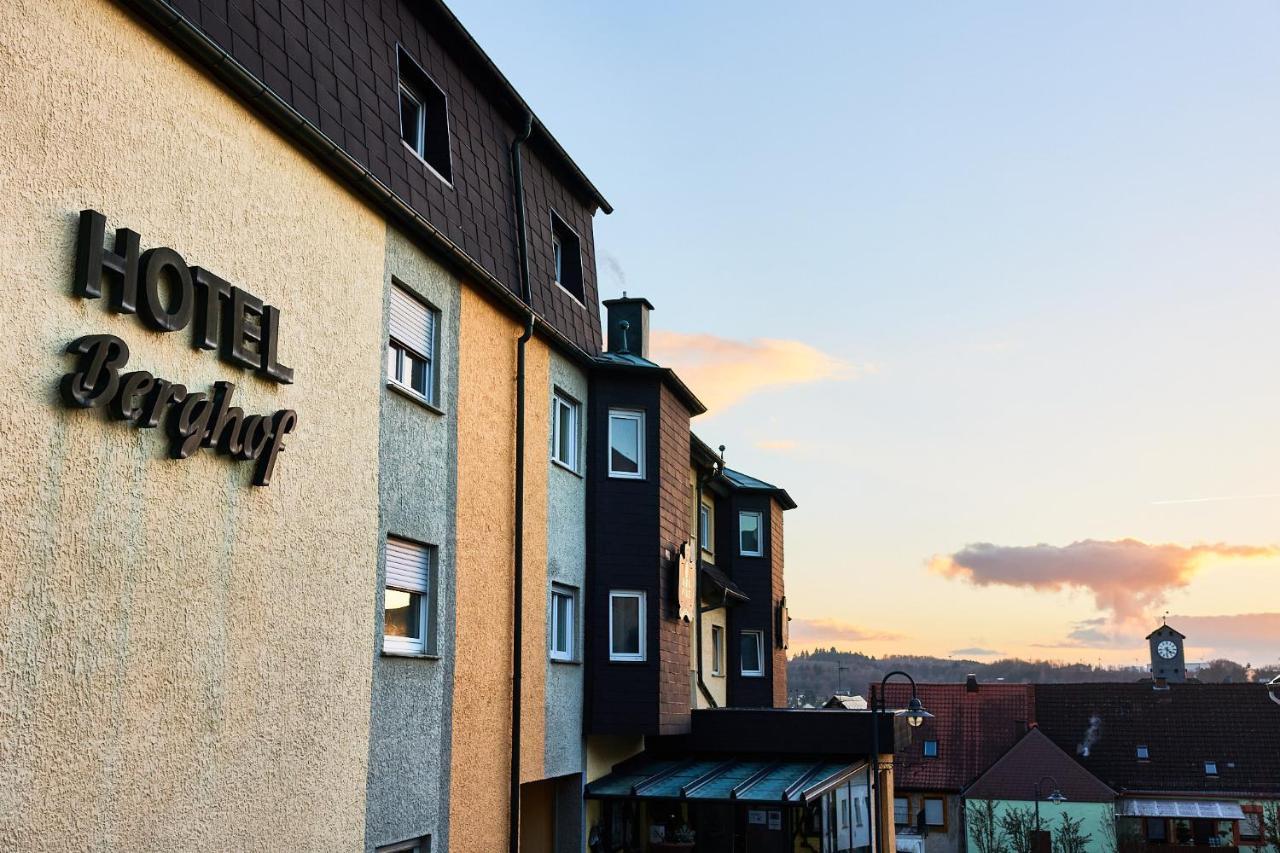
<point x="412" y="323"/>
<point x="407" y="565"/>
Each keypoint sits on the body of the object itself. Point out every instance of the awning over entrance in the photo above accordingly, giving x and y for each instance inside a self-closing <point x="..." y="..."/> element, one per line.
<point x="1220" y="809"/>
<point x="706" y="780"/>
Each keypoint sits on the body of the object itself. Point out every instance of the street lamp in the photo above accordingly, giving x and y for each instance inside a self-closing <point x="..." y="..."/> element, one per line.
<point x="1055" y="797"/>
<point x="915" y="714"/>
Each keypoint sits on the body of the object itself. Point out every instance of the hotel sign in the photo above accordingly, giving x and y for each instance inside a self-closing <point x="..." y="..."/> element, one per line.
<point x="169" y="296"/>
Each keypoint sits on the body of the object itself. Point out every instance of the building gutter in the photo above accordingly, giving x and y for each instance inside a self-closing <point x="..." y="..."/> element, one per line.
<point x="517" y="646"/>
<point x="703" y="479"/>
<point x="282" y="117"/>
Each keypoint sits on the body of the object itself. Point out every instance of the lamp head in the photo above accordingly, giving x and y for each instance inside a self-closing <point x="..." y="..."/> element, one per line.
<point x="915" y="713"/>
<point x="1056" y="797"/>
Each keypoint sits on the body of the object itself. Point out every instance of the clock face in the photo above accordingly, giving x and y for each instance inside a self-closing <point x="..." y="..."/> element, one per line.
<point x="1167" y="649"/>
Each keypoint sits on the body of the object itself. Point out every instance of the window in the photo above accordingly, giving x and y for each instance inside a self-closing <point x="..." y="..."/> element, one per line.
<point x="411" y="348"/>
<point x="931" y="749"/>
<point x="626" y="625"/>
<point x="1211" y="768"/>
<point x="750" y="543"/>
<point x="935" y="812"/>
<point x="717" y="650"/>
<point x="901" y="810"/>
<point x="857" y="812"/>
<point x="1251" y="826"/>
<point x="753" y="653"/>
<point x="1144" y="754"/>
<point x="416" y="845"/>
<point x="566" y="258"/>
<point x="705" y="531"/>
<point x="424" y="117"/>
<point x="626" y="444"/>
<point x="406" y="608"/>
<point x="563" y="625"/>
<point x="1156" y="830"/>
<point x="564" y="430"/>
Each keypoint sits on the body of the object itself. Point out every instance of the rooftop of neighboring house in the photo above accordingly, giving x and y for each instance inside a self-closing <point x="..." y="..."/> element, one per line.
<point x="1197" y="739"/>
<point x="973" y="725"/>
<point x="1018" y="773"/>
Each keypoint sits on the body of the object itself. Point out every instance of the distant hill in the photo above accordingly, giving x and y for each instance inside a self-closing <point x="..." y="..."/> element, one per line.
<point x="813" y="676"/>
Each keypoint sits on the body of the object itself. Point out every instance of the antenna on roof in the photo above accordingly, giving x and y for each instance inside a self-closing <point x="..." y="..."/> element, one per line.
<point x="1166" y="617"/>
<point x="722" y="453"/>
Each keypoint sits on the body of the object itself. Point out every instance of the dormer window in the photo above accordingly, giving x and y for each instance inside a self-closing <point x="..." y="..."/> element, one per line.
<point x="1144" y="754"/>
<point x="424" y="117"/>
<point x="566" y="258"/>
<point x="1211" y="768"/>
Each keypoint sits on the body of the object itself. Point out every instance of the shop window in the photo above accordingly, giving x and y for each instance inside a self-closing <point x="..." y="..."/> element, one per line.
<point x="563" y="622"/>
<point x="411" y="345"/>
<point x="626" y="625"/>
<point x="753" y="653"/>
<point x="717" y="650"/>
<point x="564" y="430"/>
<point x="750" y="540"/>
<point x="407" y="612"/>
<point x="626" y="444"/>
<point x="424" y="117"/>
<point x="566" y="258"/>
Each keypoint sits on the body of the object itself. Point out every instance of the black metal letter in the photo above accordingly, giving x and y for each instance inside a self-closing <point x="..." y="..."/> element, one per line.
<point x="154" y="312"/>
<point x="253" y="437"/>
<point x="187" y="424"/>
<point x="210" y="293"/>
<point x="226" y="422"/>
<point x="271" y="365"/>
<point x="240" y="328"/>
<point x="134" y="387"/>
<point x="161" y="395"/>
<point x="281" y="425"/>
<point x="92" y="260"/>
<point x="98" y="371"/>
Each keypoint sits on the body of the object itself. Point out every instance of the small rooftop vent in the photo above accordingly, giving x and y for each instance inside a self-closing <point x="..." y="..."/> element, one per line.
<point x="971" y="683"/>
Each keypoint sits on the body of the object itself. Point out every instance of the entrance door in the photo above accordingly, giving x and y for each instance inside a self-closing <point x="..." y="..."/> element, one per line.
<point x="766" y="829"/>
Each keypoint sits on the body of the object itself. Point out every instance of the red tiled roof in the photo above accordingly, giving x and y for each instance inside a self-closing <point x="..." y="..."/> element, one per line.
<point x="972" y="728"/>
<point x="1237" y="726"/>
<point x="1016" y="774"/>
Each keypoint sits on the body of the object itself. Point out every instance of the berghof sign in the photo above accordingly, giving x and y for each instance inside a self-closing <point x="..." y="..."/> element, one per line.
<point x="236" y="323"/>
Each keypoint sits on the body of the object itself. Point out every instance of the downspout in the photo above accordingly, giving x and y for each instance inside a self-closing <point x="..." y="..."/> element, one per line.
<point x="517" y="681"/>
<point x="697" y="584"/>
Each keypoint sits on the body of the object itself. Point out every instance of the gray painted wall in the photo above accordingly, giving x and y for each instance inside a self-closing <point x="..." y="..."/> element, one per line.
<point x="409" y="738"/>
<point x="566" y="565"/>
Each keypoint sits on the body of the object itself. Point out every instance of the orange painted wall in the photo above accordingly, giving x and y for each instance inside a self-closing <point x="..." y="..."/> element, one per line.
<point x="481" y="737"/>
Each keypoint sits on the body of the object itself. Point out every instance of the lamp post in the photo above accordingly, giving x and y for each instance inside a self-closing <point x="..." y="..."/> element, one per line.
<point x="1054" y="797"/>
<point x="915" y="714"/>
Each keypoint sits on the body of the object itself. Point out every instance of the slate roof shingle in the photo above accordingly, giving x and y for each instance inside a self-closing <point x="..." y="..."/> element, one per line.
<point x="1016" y="774"/>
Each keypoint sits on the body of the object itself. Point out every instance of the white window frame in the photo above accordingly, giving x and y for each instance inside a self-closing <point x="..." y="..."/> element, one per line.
<point x="557" y="258"/>
<point x="395" y="645"/>
<point x="924" y="748"/>
<point x="639" y="596"/>
<point x="561" y="399"/>
<point x="399" y="353"/>
<point x="752" y="673"/>
<point x="631" y="415"/>
<point x="415" y="845"/>
<point x="1210" y="768"/>
<point x="759" y="516"/>
<point x="717" y="650"/>
<point x="571" y="633"/>
<point x="706" y="529"/>
<point x="1143" y="752"/>
<point x="419" y="144"/>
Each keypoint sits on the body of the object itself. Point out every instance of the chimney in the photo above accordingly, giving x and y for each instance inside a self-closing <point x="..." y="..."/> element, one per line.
<point x="633" y="337"/>
<point x="971" y="683"/>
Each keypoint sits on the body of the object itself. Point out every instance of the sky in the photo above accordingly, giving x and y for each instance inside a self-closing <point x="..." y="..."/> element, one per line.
<point x="990" y="288"/>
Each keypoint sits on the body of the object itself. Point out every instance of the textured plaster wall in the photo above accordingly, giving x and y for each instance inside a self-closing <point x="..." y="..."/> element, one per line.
<point x="566" y="564"/>
<point x="480" y="763"/>
<point x="412" y="697"/>
<point x="184" y="658"/>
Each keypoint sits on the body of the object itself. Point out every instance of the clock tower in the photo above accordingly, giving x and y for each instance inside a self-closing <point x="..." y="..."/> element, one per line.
<point x="1168" y="658"/>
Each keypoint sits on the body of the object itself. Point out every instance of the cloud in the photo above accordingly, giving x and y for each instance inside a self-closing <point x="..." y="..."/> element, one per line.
<point x="1127" y="578"/>
<point x="778" y="445"/>
<point x="976" y="652"/>
<point x="822" y="632"/>
<point x="1240" y="636"/>
<point x="723" y="372"/>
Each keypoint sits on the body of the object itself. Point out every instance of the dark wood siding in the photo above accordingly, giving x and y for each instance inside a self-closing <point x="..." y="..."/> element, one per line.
<point x="754" y="575"/>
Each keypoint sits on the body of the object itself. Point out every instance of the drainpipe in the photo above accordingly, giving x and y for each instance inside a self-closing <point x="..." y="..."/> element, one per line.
<point x="697" y="584"/>
<point x="522" y="242"/>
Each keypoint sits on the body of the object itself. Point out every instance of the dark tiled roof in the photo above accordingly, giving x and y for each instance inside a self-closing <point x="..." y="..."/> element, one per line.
<point x="747" y="483"/>
<point x="972" y="728"/>
<point x="1016" y="774"/>
<point x="1235" y="725"/>
<point x="723" y="584"/>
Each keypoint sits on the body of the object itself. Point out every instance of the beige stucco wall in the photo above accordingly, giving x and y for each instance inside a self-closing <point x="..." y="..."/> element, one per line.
<point x="485" y="572"/>
<point x="184" y="658"/>
<point x="715" y="683"/>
